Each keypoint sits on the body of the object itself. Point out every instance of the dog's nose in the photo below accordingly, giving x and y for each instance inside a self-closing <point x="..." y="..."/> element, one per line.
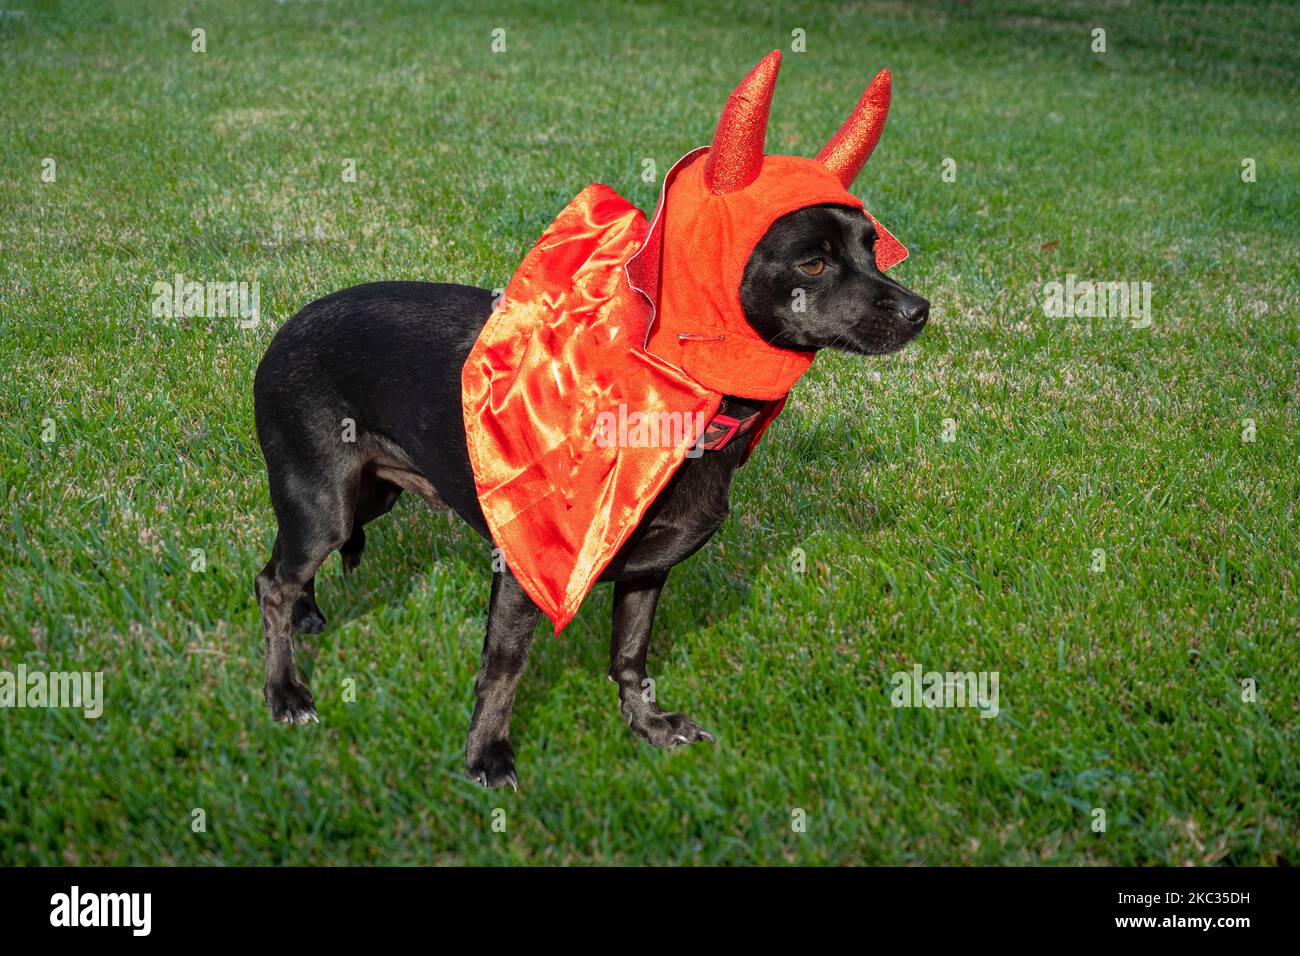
<point x="915" y="311"/>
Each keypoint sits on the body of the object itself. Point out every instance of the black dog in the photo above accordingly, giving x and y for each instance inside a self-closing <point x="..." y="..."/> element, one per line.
<point x="388" y="356"/>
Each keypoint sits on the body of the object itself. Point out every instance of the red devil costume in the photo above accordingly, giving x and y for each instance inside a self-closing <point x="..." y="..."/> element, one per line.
<point x="610" y="317"/>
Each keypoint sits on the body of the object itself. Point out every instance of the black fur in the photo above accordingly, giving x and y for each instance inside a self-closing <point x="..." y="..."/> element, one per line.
<point x="388" y="356"/>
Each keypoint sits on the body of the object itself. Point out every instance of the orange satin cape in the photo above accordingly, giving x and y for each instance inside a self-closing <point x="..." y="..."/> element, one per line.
<point x="610" y="321"/>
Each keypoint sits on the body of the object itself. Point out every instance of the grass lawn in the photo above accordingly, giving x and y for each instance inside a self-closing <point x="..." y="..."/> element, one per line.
<point x="126" y="441"/>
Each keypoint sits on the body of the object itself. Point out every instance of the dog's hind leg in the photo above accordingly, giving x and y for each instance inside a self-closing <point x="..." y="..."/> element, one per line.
<point x="512" y="618"/>
<point x="375" y="498"/>
<point x="314" y="519"/>
<point x="307" y="616"/>
<point x="634" y="610"/>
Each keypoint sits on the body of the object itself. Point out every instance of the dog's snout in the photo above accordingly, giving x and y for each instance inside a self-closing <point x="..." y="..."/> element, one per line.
<point x="911" y="309"/>
<point x="915" y="310"/>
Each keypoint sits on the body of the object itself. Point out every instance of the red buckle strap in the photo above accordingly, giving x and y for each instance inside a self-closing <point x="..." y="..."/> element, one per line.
<point x="723" y="428"/>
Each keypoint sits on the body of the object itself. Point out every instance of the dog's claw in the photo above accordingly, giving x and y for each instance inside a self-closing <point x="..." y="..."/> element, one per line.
<point x="291" y="703"/>
<point x="298" y="718"/>
<point x="493" y="766"/>
<point x="668" y="730"/>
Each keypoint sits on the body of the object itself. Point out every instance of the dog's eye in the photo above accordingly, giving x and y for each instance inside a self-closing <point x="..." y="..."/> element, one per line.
<point x="813" y="267"/>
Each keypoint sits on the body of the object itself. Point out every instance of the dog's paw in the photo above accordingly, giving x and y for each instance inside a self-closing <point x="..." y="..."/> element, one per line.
<point x="291" y="703"/>
<point x="668" y="730"/>
<point x="307" y="618"/>
<point x="493" y="765"/>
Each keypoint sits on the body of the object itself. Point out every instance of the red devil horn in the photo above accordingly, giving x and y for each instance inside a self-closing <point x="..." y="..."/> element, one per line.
<point x="847" y="152"/>
<point x="736" y="155"/>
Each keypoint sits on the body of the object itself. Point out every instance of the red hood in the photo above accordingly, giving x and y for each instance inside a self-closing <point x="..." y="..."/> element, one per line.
<point x="700" y="326"/>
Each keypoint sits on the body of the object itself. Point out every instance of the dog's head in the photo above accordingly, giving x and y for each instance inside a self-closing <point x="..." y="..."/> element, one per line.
<point x="771" y="258"/>
<point x="812" y="283"/>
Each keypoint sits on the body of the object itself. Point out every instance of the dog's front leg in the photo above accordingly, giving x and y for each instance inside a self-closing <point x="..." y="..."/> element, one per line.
<point x="512" y="618"/>
<point x="634" y="611"/>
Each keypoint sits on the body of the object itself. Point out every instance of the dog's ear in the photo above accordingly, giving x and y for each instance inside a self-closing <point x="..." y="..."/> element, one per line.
<point x="848" y="149"/>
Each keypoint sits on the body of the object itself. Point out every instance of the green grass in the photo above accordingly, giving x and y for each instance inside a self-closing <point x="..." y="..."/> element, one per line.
<point x="1120" y="690"/>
